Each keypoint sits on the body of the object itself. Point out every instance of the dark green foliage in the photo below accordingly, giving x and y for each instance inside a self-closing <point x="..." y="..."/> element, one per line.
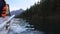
<point x="44" y="15"/>
<point x="32" y="15"/>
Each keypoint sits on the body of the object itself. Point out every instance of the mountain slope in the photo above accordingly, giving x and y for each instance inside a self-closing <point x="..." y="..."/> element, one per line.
<point x="16" y="12"/>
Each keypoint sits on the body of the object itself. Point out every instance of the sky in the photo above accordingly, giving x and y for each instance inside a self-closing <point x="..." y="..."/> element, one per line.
<point x="20" y="4"/>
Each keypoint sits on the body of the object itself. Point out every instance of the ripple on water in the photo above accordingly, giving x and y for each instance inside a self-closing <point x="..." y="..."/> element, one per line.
<point x="18" y="26"/>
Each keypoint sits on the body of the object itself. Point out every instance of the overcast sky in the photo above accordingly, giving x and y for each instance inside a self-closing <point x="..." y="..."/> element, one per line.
<point x="18" y="4"/>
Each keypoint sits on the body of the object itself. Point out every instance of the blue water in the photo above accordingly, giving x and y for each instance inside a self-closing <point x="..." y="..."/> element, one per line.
<point x="18" y="26"/>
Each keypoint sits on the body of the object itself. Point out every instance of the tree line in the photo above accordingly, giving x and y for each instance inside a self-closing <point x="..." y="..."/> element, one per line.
<point x="45" y="16"/>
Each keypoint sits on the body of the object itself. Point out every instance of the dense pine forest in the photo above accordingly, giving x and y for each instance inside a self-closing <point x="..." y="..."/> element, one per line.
<point x="32" y="15"/>
<point x="45" y="16"/>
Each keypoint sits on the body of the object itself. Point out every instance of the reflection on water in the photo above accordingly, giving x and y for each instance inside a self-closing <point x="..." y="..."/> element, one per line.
<point x="20" y="26"/>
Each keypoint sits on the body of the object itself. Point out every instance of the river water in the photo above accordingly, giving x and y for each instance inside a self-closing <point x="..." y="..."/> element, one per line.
<point x="20" y="26"/>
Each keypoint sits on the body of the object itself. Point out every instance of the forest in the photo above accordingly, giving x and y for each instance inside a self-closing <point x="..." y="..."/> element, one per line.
<point x="45" y="16"/>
